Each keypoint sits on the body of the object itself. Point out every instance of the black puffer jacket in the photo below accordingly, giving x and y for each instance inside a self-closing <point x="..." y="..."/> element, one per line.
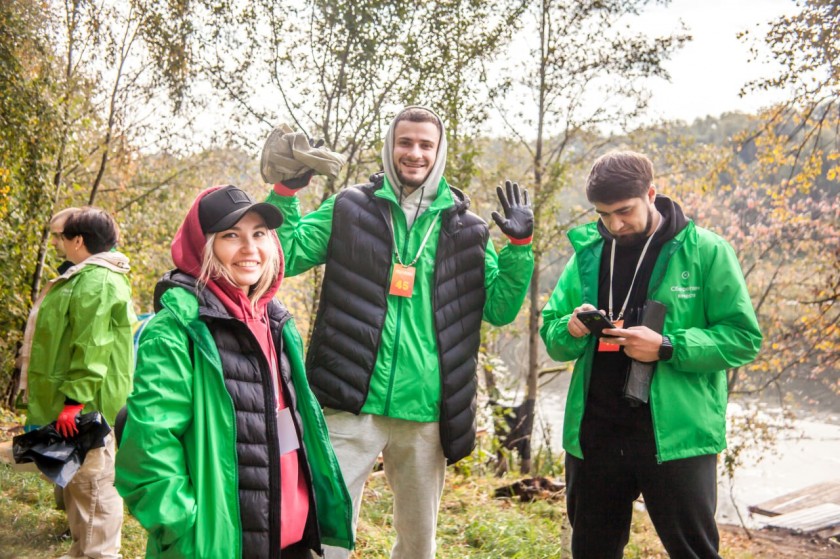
<point x="348" y="327"/>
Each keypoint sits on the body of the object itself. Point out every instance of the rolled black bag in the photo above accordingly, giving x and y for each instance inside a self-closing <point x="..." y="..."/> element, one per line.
<point x="58" y="458"/>
<point x="637" y="385"/>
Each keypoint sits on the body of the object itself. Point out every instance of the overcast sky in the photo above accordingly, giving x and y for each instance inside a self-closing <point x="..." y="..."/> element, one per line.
<point x="708" y="72"/>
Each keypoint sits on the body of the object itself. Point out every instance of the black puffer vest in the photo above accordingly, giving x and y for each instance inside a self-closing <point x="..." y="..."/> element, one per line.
<point x="248" y="381"/>
<point x="354" y="300"/>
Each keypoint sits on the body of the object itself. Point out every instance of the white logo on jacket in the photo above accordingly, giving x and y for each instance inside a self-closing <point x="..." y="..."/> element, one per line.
<point x="688" y="292"/>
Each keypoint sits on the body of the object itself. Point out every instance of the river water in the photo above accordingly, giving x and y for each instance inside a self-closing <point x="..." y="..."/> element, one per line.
<point x="805" y="452"/>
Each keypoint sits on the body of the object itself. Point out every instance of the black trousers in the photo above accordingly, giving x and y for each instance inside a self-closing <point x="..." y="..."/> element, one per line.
<point x="298" y="551"/>
<point x="680" y="496"/>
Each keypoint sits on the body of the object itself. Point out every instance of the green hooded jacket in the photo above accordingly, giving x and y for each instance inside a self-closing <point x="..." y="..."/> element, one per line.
<point x="405" y="383"/>
<point x="710" y="321"/>
<point x="179" y="444"/>
<point x="81" y="344"/>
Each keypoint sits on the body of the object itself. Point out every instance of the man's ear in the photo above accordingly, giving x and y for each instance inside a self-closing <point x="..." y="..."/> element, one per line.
<point x="651" y="193"/>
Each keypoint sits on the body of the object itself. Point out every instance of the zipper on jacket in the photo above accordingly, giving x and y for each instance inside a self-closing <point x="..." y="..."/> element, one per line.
<point x="274" y="481"/>
<point x="398" y="328"/>
<point x="672" y="247"/>
<point x="269" y="399"/>
<point x="394" y="357"/>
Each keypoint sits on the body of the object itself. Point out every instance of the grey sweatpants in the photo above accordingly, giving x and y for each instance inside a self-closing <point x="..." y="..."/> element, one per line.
<point x="414" y="466"/>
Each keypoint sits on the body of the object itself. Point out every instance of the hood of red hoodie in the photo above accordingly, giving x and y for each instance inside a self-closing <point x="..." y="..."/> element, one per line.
<point x="187" y="249"/>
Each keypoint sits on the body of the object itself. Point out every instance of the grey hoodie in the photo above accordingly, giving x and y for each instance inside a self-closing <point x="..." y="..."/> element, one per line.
<point x="415" y="203"/>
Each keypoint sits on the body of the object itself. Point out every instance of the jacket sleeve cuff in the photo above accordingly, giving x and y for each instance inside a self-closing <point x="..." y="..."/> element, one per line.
<point x="519" y="242"/>
<point x="282" y="190"/>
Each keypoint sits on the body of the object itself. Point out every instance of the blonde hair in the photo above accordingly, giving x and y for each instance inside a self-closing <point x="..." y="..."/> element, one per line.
<point x="212" y="269"/>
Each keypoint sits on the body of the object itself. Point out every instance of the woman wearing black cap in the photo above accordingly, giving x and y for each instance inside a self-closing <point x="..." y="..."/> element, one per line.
<point x="225" y="451"/>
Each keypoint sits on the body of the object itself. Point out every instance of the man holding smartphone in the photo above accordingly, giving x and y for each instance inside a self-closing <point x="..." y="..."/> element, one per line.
<point x="644" y="248"/>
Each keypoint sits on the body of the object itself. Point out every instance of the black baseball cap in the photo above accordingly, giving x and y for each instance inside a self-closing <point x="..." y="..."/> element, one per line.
<point x="223" y="208"/>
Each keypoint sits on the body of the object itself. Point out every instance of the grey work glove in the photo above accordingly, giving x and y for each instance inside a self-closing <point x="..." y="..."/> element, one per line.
<point x="300" y="181"/>
<point x="518" y="222"/>
<point x="290" y="156"/>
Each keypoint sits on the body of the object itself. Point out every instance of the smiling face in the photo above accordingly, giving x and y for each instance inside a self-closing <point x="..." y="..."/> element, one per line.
<point x="631" y="220"/>
<point x="243" y="250"/>
<point x="415" y="151"/>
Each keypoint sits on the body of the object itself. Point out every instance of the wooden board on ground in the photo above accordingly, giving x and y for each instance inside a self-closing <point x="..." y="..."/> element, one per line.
<point x="822" y="521"/>
<point x="805" y="498"/>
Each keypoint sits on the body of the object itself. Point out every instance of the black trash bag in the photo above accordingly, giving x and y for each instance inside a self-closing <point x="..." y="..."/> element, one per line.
<point x="58" y="458"/>
<point x="119" y="424"/>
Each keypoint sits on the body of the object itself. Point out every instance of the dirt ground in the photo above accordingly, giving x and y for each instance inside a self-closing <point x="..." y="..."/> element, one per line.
<point x="773" y="544"/>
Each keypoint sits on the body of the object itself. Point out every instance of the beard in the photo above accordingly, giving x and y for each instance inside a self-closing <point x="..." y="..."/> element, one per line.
<point x="413" y="184"/>
<point x="632" y="239"/>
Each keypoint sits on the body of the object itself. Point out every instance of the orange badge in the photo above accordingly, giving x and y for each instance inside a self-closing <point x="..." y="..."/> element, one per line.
<point x="604" y="345"/>
<point x="402" y="282"/>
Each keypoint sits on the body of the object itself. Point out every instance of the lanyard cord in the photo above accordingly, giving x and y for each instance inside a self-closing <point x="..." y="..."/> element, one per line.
<point x="422" y="245"/>
<point x="635" y="273"/>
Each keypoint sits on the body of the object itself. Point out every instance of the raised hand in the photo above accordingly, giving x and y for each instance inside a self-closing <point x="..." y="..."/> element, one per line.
<point x="296" y="183"/>
<point x="303" y="180"/>
<point x="518" y="222"/>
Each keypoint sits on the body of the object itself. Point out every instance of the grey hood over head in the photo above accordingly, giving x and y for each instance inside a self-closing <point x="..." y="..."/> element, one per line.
<point x="415" y="203"/>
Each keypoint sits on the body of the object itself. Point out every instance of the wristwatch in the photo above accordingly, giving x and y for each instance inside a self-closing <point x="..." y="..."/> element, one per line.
<point x="666" y="350"/>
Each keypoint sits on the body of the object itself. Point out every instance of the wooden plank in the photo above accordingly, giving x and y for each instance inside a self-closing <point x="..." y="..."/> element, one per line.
<point x="805" y="498"/>
<point x="822" y="520"/>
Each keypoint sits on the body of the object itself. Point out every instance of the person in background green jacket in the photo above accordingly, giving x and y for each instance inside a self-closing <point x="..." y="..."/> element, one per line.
<point x="643" y="248"/>
<point x="225" y="452"/>
<point x="78" y="358"/>
<point x="409" y="274"/>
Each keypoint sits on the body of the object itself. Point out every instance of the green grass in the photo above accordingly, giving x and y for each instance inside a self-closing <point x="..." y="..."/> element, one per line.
<point x="31" y="527"/>
<point x="471" y="523"/>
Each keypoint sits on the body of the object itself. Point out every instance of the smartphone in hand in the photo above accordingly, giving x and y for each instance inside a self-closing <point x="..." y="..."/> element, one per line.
<point x="595" y="321"/>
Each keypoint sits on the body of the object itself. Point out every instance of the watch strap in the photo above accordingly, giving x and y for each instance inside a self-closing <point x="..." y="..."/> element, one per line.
<point x="666" y="350"/>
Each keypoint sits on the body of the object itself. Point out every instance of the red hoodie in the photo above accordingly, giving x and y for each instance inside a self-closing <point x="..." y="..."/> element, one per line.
<point x="187" y="248"/>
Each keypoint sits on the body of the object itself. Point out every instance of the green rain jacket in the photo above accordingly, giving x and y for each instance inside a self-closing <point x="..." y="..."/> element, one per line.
<point x="405" y="383"/>
<point x="179" y="445"/>
<point x="81" y="344"/>
<point x="710" y="321"/>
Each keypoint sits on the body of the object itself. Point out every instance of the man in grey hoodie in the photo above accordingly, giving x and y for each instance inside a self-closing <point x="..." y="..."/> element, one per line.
<point x="409" y="275"/>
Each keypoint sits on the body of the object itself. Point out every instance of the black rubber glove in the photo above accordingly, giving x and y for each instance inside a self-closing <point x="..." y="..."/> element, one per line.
<point x="518" y="222"/>
<point x="298" y="182"/>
